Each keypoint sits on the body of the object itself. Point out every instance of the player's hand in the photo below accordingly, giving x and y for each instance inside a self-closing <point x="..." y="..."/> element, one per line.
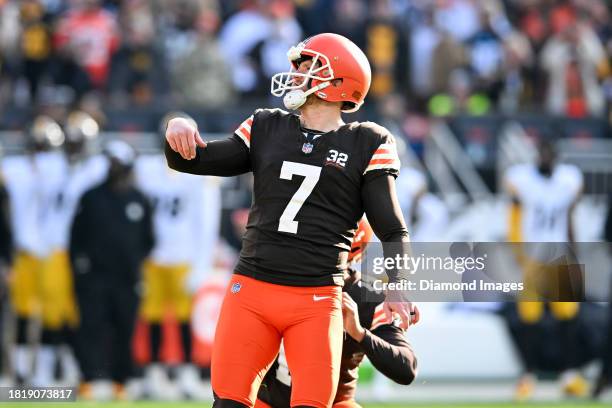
<point x="350" y="314"/>
<point x="183" y="137"/>
<point x="407" y="312"/>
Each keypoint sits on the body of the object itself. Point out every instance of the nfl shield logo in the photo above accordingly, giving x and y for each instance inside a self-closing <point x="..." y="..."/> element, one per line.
<point x="236" y="287"/>
<point x="307" y="148"/>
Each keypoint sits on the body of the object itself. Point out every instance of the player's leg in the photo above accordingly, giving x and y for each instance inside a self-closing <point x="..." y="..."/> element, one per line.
<point x="566" y="314"/>
<point x="58" y="312"/>
<point x="182" y="301"/>
<point x="22" y="356"/>
<point x="530" y="314"/>
<point x="50" y="336"/>
<point x="152" y="305"/>
<point x="246" y="341"/>
<point x="152" y="311"/>
<point x="70" y="324"/>
<point x="24" y="299"/>
<point x="528" y="339"/>
<point x="93" y="332"/>
<point x="124" y="311"/>
<point x="188" y="375"/>
<point x="313" y="346"/>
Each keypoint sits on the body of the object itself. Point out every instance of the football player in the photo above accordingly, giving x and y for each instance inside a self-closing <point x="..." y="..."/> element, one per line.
<point x="110" y="237"/>
<point x="65" y="176"/>
<point x="23" y="183"/>
<point x="314" y="176"/>
<point x="544" y="197"/>
<point x="368" y="333"/>
<point x="185" y="239"/>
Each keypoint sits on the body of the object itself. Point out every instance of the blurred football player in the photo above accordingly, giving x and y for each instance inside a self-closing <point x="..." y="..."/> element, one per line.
<point x="369" y="333"/>
<point x="22" y="175"/>
<point x="185" y="239"/>
<point x="543" y="200"/>
<point x="110" y="237"/>
<point x="314" y="176"/>
<point x="65" y="176"/>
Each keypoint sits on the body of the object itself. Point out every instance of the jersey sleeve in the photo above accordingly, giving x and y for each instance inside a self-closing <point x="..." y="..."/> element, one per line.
<point x="390" y="353"/>
<point x="384" y="158"/>
<point x="243" y="132"/>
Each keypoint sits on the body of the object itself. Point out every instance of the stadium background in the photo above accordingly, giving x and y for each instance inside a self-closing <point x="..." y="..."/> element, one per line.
<point x="466" y="86"/>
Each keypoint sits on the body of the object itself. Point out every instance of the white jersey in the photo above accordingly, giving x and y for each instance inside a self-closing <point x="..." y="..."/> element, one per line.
<point x="545" y="201"/>
<point x="186" y="213"/>
<point x="410" y="184"/>
<point x="63" y="184"/>
<point x="22" y="181"/>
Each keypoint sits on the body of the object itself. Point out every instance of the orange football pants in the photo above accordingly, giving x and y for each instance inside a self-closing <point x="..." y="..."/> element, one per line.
<point x="341" y="404"/>
<point x="254" y="317"/>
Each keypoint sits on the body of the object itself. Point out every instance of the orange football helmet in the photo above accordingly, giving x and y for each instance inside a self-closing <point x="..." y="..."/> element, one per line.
<point x="333" y="57"/>
<point x="362" y="237"/>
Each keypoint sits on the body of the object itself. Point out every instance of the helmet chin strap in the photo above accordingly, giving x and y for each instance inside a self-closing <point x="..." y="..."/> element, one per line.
<point x="296" y="98"/>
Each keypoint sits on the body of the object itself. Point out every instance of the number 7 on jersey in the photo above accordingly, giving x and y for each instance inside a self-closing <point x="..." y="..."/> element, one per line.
<point x="311" y="176"/>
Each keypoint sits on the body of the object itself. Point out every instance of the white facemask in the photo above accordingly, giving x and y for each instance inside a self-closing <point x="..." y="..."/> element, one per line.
<point x="284" y="83"/>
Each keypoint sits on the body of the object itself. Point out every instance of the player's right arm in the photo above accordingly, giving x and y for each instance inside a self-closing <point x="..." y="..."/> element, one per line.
<point x="384" y="344"/>
<point x="187" y="152"/>
<point x="387" y="349"/>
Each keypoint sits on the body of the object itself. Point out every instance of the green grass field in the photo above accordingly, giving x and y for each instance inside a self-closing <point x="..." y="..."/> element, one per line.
<point x="405" y="405"/>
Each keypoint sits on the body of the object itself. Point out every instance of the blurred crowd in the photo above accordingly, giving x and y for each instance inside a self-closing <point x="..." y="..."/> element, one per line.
<point x="432" y="57"/>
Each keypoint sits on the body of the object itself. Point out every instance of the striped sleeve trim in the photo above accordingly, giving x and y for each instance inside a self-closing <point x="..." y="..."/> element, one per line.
<point x="244" y="131"/>
<point x="385" y="157"/>
<point x="380" y="318"/>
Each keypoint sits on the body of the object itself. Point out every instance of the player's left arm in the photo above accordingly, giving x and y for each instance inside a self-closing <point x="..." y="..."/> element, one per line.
<point x="384" y="213"/>
<point x="385" y="345"/>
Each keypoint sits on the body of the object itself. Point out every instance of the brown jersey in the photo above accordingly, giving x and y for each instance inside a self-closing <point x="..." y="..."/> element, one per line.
<point x="307" y="196"/>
